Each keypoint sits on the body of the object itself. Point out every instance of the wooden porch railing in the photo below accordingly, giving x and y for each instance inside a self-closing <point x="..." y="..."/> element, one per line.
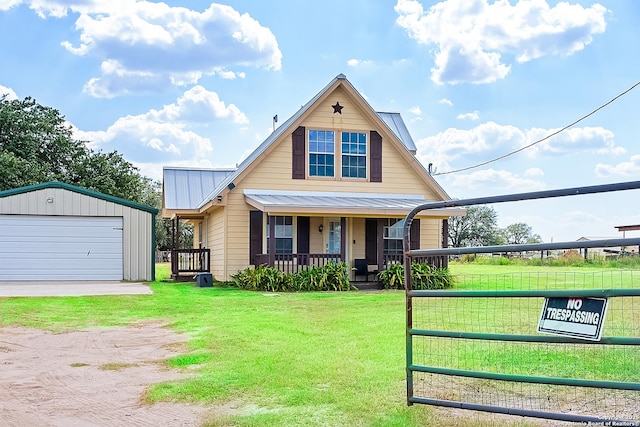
<point x="292" y="263"/>
<point x="185" y="262"/>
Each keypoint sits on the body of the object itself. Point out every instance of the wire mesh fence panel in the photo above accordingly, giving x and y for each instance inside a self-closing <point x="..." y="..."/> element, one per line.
<point x="479" y="346"/>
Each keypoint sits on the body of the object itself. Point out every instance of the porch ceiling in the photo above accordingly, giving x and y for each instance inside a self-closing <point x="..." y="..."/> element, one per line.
<point x="334" y="203"/>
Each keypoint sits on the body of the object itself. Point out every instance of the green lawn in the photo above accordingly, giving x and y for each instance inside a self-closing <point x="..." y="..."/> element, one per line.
<point x="297" y="359"/>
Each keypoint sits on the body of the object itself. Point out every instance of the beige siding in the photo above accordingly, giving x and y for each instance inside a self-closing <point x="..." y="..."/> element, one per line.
<point x="316" y="239"/>
<point x="137" y="251"/>
<point x="237" y="233"/>
<point x="430" y="233"/>
<point x="359" y="236"/>
<point x="215" y="241"/>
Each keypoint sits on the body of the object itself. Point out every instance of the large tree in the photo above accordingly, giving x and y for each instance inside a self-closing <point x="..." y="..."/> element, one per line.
<point x="519" y="234"/>
<point x="477" y="228"/>
<point x="37" y="145"/>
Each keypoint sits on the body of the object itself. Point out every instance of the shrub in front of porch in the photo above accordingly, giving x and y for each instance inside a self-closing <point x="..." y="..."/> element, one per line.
<point x="329" y="277"/>
<point x="424" y="276"/>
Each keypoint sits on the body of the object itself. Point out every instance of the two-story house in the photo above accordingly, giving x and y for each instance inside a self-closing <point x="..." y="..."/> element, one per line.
<point x="333" y="182"/>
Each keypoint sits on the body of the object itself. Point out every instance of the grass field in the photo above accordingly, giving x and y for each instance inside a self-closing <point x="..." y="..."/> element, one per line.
<point x="296" y="359"/>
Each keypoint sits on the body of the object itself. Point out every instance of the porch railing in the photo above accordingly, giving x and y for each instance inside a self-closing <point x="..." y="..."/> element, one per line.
<point x="190" y="261"/>
<point x="292" y="263"/>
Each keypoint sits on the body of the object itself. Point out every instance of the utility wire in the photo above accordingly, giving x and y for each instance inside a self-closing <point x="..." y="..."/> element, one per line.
<point x="546" y="137"/>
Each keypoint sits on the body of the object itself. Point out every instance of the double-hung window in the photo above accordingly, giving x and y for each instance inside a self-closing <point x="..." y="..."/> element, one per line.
<point x="321" y="153"/>
<point x="283" y="232"/>
<point x="392" y="232"/>
<point x="354" y="155"/>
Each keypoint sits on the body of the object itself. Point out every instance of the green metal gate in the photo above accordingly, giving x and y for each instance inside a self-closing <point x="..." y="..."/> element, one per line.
<point x="549" y="344"/>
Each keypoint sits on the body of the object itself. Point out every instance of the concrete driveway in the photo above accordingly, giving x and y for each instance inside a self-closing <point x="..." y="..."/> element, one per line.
<point x="71" y="288"/>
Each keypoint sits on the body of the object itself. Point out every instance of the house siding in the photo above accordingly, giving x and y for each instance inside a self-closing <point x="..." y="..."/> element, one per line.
<point x="137" y="224"/>
<point x="215" y="238"/>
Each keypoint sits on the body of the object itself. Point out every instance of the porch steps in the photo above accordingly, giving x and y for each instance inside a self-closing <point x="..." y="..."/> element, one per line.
<point x="368" y="286"/>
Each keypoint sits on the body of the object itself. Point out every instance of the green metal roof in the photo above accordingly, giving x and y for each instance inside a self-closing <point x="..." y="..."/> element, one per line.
<point x="80" y="190"/>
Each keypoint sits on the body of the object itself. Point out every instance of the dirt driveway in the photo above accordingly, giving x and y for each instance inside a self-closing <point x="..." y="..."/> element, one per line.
<point x="71" y="288"/>
<point x="93" y="377"/>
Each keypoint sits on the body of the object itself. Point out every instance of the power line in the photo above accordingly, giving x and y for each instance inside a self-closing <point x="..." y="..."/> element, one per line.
<point x="546" y="137"/>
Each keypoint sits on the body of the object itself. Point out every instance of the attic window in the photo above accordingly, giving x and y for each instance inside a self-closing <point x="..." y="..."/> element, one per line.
<point x="321" y="153"/>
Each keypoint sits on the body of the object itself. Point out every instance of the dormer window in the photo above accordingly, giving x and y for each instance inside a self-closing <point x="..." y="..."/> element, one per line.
<point x="354" y="155"/>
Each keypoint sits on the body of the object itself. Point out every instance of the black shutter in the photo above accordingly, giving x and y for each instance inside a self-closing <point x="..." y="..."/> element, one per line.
<point x="371" y="241"/>
<point x="415" y="234"/>
<point x="375" y="159"/>
<point x="255" y="235"/>
<point x="298" y="152"/>
<point x="303" y="235"/>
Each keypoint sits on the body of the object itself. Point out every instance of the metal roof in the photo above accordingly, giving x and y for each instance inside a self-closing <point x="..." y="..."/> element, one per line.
<point x="339" y="202"/>
<point x="80" y="190"/>
<point x="187" y="188"/>
<point x="396" y="124"/>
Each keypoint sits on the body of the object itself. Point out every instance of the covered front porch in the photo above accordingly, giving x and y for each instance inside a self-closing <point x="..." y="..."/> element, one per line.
<point x="363" y="230"/>
<point x="366" y="245"/>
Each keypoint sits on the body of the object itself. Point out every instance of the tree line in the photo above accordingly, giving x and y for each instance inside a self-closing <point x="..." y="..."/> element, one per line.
<point x="480" y="228"/>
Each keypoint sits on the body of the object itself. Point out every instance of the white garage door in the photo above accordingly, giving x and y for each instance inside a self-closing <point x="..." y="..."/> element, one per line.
<point x="35" y="247"/>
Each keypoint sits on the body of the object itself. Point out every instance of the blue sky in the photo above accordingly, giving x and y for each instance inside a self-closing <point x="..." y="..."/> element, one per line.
<point x="187" y="83"/>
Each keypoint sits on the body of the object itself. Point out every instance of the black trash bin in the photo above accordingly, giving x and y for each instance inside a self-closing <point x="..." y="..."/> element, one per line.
<point x="204" y="280"/>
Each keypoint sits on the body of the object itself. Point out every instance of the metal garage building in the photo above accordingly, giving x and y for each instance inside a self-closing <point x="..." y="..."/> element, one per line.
<point x="57" y="231"/>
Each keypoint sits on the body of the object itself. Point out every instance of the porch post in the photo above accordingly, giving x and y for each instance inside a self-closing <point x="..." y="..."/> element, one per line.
<point x="177" y="241"/>
<point x="380" y="234"/>
<point x="343" y="238"/>
<point x="272" y="240"/>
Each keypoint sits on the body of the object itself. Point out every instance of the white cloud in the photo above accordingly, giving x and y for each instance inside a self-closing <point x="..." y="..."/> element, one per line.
<point x="158" y="136"/>
<point x="8" y="4"/>
<point x="446" y="101"/>
<point x="596" y="140"/>
<point x="415" y="111"/>
<point x="358" y="62"/>
<point x="630" y="168"/>
<point x="470" y="116"/>
<point x="198" y="105"/>
<point x="485" y="141"/>
<point x="534" y="172"/>
<point x="145" y="46"/>
<point x="10" y="93"/>
<point x="471" y="36"/>
<point x="500" y="180"/>
<point x="490" y="140"/>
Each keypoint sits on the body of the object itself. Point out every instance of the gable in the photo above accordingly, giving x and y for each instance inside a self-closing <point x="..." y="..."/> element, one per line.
<point x="283" y="159"/>
<point x="279" y="168"/>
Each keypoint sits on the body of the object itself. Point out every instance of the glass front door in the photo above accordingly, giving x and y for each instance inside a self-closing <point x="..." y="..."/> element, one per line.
<point x="333" y="242"/>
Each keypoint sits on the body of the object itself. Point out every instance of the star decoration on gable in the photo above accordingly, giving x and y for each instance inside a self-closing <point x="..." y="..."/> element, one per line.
<point x="337" y="108"/>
